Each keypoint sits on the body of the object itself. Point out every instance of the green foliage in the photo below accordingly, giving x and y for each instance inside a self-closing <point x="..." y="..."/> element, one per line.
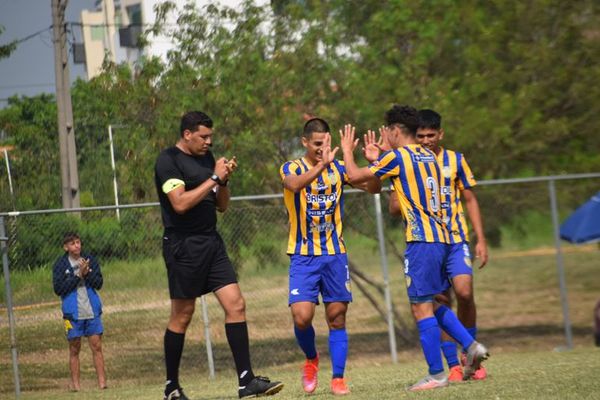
<point x="36" y="241"/>
<point x="515" y="82"/>
<point x="7" y="49"/>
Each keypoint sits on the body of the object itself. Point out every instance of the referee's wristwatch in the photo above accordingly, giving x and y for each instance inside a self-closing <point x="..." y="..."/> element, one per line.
<point x="216" y="178"/>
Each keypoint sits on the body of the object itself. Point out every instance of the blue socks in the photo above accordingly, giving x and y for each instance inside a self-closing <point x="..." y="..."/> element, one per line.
<point x="338" y="350"/>
<point x="449" y="350"/>
<point x="306" y="340"/>
<point x="453" y="327"/>
<point x="430" y="336"/>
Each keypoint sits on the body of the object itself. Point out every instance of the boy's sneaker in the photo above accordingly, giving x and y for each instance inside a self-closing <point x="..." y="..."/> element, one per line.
<point x="476" y="353"/>
<point x="339" y="387"/>
<point x="258" y="387"/>
<point x="309" y="374"/>
<point x="429" y="382"/>
<point x="176" y="394"/>
<point x="456" y="374"/>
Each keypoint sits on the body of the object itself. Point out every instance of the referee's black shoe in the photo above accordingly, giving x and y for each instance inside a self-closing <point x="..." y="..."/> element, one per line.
<point x="258" y="387"/>
<point x="176" y="394"/>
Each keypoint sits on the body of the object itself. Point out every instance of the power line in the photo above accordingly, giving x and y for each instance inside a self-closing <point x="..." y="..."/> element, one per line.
<point x="30" y="36"/>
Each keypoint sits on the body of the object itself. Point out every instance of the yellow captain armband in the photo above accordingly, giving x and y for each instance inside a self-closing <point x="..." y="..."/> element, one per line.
<point x="172" y="184"/>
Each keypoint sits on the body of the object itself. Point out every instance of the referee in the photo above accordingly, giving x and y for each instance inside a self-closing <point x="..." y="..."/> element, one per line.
<point x="191" y="187"/>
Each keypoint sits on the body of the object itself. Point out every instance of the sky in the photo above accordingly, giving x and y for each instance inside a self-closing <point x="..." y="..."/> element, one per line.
<point x="30" y="68"/>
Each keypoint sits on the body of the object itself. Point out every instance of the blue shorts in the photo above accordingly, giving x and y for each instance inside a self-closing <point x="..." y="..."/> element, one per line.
<point x="311" y="275"/>
<point x="83" y="327"/>
<point x="424" y="270"/>
<point x="459" y="261"/>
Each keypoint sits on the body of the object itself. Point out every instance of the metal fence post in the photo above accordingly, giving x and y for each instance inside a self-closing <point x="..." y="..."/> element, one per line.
<point x="114" y="171"/>
<point x="560" y="265"/>
<point x="209" y="351"/>
<point x="9" y="307"/>
<point x="386" y="279"/>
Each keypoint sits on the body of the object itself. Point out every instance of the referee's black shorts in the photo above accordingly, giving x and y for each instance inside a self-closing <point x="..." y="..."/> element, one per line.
<point x="196" y="264"/>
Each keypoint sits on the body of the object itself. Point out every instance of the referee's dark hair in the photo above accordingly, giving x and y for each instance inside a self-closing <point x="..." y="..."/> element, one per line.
<point x="430" y="119"/>
<point x="314" y="125"/>
<point x="406" y="117"/>
<point x="191" y="121"/>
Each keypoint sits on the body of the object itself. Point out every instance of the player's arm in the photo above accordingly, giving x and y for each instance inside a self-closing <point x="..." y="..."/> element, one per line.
<point x="394" y="204"/>
<point x="183" y="200"/>
<point x="356" y="176"/>
<point x="472" y="205"/>
<point x="296" y="183"/>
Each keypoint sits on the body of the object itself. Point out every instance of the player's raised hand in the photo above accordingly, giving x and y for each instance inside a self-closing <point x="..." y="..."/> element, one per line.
<point x="481" y="253"/>
<point x="327" y="154"/>
<point x="372" y="146"/>
<point x="348" y="142"/>
<point x="384" y="138"/>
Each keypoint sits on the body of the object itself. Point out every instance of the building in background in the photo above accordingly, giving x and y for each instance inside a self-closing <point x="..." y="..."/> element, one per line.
<point x="113" y="27"/>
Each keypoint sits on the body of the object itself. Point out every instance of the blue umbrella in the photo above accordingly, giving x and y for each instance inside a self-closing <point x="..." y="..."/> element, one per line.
<point x="584" y="224"/>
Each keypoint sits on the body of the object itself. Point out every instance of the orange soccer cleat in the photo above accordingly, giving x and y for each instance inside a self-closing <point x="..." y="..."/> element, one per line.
<point x="339" y="387"/>
<point x="309" y="374"/>
<point x="456" y="374"/>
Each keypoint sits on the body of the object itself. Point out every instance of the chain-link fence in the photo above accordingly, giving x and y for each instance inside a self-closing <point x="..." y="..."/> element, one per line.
<point x="517" y="215"/>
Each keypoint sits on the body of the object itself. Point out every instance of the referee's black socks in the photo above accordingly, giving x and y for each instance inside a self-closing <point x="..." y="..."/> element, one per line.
<point x="237" y="336"/>
<point x="173" y="349"/>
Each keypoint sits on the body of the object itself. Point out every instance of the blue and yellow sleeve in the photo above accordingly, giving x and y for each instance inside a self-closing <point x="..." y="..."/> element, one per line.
<point x="466" y="180"/>
<point x="387" y="166"/>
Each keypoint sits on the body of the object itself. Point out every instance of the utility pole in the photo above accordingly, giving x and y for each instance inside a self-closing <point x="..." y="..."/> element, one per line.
<point x="66" y="132"/>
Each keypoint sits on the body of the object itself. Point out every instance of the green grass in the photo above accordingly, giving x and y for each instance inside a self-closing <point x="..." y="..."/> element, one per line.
<point x="519" y="315"/>
<point x="520" y="375"/>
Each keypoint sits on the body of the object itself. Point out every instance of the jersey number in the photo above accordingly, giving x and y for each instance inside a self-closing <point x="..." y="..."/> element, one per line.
<point x="433" y="187"/>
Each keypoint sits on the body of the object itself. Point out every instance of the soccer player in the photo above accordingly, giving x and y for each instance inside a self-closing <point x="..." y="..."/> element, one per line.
<point x="191" y="187"/>
<point x="416" y="175"/>
<point x="313" y="196"/>
<point x="457" y="183"/>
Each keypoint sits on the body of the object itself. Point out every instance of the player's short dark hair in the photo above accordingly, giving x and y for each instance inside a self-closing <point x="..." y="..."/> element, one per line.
<point x="406" y="117"/>
<point x="430" y="119"/>
<point x="314" y="125"/>
<point x="70" y="236"/>
<point x="191" y="120"/>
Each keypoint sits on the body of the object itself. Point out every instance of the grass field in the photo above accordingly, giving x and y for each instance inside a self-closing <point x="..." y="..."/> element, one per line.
<point x="519" y="319"/>
<point x="518" y="375"/>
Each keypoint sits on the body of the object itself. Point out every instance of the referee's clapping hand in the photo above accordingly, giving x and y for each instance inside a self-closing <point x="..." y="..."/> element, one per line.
<point x="222" y="169"/>
<point x="231" y="164"/>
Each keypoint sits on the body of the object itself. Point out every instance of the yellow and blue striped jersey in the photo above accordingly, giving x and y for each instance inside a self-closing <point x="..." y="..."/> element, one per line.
<point x="456" y="177"/>
<point x="315" y="213"/>
<point x="416" y="177"/>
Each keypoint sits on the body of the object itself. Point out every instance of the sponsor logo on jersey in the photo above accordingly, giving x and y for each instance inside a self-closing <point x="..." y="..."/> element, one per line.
<point x="324" y="227"/>
<point x="424" y="158"/>
<point x="320" y="213"/>
<point x="320" y="198"/>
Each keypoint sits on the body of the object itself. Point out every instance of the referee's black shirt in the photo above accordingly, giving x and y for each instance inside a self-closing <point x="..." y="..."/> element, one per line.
<point x="172" y="163"/>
